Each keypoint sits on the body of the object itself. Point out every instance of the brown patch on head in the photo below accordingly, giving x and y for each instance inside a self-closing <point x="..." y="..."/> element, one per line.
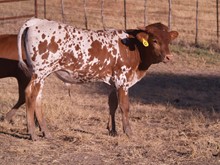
<point x="53" y="46"/>
<point x="42" y="47"/>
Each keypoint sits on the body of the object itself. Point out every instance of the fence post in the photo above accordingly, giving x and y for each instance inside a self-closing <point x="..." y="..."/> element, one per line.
<point x="170" y="14"/>
<point x="35" y="4"/>
<point x="197" y="12"/>
<point x="85" y="16"/>
<point x="217" y="18"/>
<point x="145" y="12"/>
<point x="102" y="17"/>
<point x="45" y="9"/>
<point x="62" y="10"/>
<point x="125" y="15"/>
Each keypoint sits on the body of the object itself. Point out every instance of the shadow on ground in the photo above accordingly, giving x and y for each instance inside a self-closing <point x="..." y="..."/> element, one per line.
<point x="199" y="92"/>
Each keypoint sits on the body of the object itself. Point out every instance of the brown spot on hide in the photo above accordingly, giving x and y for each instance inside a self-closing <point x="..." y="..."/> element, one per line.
<point x="68" y="58"/>
<point x="45" y="55"/>
<point x="43" y="36"/>
<point x="59" y="41"/>
<point x="42" y="47"/>
<point x="96" y="48"/>
<point x="67" y="36"/>
<point x="120" y="31"/>
<point x="35" y="54"/>
<point x="53" y="46"/>
<point x="114" y="51"/>
<point x="77" y="47"/>
<point x="96" y="51"/>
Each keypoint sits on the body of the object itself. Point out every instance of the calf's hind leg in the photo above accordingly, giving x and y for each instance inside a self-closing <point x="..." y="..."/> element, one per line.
<point x="31" y="93"/>
<point x="23" y="81"/>
<point x="33" y="102"/>
<point x="40" y="116"/>
<point x="113" y="105"/>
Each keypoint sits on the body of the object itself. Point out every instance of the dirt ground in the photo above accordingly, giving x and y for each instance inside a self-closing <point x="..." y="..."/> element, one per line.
<point x="175" y="118"/>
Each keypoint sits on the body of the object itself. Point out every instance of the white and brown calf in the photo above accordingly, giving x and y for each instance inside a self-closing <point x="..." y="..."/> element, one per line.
<point x="116" y="57"/>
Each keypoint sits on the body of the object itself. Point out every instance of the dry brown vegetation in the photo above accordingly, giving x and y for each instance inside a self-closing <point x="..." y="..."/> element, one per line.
<point x="175" y="117"/>
<point x="183" y="16"/>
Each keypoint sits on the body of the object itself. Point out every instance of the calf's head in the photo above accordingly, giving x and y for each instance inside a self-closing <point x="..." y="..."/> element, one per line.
<point x="155" y="39"/>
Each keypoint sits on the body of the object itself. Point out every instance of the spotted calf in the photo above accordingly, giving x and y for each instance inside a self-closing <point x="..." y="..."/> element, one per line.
<point x="116" y="57"/>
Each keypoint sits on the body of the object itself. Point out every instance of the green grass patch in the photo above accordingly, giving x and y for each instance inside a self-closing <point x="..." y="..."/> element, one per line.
<point x="208" y="55"/>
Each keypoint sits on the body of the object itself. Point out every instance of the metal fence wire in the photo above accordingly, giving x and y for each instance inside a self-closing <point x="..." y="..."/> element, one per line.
<point x="196" y="21"/>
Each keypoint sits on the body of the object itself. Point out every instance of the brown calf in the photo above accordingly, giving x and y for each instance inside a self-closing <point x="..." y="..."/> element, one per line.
<point x="116" y="57"/>
<point x="9" y="68"/>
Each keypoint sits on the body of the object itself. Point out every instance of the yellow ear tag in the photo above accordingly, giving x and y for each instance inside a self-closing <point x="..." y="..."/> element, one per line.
<point x="145" y="43"/>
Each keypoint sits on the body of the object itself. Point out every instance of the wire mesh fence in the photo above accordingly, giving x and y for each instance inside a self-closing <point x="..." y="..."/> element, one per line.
<point x="196" y="21"/>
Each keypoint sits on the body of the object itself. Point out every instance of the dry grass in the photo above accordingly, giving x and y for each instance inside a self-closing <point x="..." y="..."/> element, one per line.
<point x="183" y="16"/>
<point x="174" y="117"/>
<point x="175" y="110"/>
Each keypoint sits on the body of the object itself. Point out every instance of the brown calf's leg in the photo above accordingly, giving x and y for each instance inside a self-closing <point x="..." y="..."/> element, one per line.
<point x="113" y="105"/>
<point x="40" y="117"/>
<point x="31" y="94"/>
<point x="11" y="113"/>
<point x="33" y="102"/>
<point x="124" y="106"/>
<point x="22" y="84"/>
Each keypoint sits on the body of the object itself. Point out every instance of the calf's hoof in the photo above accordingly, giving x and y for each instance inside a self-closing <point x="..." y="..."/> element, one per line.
<point x="2" y="118"/>
<point x="33" y="137"/>
<point x="113" y="133"/>
<point x="47" y="135"/>
<point x="9" y="115"/>
<point x="128" y="131"/>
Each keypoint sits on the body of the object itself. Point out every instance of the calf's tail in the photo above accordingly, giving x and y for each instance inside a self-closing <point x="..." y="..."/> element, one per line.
<point x="22" y="34"/>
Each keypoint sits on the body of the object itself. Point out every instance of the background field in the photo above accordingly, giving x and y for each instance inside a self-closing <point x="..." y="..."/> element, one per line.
<point x="183" y="16"/>
<point x="175" y="109"/>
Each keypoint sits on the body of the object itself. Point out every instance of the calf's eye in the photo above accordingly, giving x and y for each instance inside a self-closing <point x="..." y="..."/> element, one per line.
<point x="155" y="41"/>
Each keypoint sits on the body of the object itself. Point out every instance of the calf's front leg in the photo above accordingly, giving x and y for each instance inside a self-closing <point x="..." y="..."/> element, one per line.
<point x="123" y="100"/>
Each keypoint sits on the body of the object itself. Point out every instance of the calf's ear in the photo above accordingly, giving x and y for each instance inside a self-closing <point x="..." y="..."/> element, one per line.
<point x="173" y="34"/>
<point x="141" y="28"/>
<point x="143" y="38"/>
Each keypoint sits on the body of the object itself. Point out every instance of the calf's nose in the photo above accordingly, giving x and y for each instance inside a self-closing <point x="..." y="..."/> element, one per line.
<point x="167" y="58"/>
